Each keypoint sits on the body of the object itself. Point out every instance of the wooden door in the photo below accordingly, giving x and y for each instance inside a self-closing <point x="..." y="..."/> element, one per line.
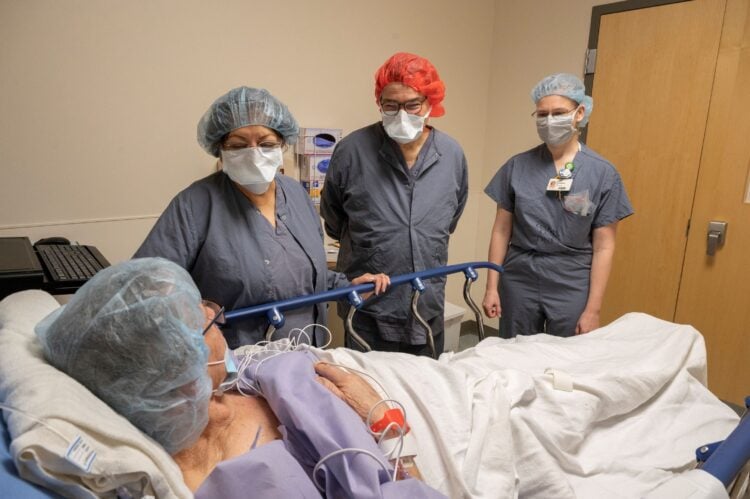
<point x="715" y="291"/>
<point x="652" y="86"/>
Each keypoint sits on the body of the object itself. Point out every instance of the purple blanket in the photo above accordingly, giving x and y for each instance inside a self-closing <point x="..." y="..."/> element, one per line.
<point x="314" y="423"/>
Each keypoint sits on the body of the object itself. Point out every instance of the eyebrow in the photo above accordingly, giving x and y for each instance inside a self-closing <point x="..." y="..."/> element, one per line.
<point x="393" y="101"/>
<point x="261" y="138"/>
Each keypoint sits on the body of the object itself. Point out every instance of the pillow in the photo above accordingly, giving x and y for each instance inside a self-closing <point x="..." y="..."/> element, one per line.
<point x="63" y="436"/>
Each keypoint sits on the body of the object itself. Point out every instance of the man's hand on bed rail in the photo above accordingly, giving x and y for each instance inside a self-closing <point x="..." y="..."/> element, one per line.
<point x="381" y="281"/>
<point x="352" y="389"/>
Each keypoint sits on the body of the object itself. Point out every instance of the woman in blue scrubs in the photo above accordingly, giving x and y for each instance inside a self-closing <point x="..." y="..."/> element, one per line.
<point x="248" y="234"/>
<point x="558" y="206"/>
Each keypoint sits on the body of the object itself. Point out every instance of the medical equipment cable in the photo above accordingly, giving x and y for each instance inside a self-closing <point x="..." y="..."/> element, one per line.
<point x="368" y="422"/>
<point x="338" y="452"/>
<point x="8" y="408"/>
<point x="391" y="426"/>
<point x="269" y="349"/>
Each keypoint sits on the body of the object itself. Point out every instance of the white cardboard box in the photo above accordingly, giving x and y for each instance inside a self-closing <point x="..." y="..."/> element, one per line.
<point x="453" y="316"/>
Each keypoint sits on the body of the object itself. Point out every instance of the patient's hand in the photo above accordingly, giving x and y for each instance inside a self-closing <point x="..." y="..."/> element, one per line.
<point x="352" y="389"/>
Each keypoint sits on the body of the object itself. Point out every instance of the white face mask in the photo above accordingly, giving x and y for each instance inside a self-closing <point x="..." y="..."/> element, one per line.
<point x="404" y="127"/>
<point x="231" y="368"/>
<point x="556" y="130"/>
<point x="252" y="167"/>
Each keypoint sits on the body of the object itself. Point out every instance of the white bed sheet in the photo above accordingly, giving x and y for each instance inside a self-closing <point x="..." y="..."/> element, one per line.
<point x="489" y="423"/>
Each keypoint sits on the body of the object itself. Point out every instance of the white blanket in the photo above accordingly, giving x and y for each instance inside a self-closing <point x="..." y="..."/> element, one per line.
<point x="124" y="455"/>
<point x="489" y="422"/>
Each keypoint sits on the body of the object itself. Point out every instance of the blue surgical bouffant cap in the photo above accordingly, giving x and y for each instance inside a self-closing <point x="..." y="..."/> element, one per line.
<point x="133" y="335"/>
<point x="566" y="85"/>
<point x="240" y="107"/>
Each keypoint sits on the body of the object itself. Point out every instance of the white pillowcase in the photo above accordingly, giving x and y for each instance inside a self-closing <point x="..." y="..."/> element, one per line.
<point x="122" y="455"/>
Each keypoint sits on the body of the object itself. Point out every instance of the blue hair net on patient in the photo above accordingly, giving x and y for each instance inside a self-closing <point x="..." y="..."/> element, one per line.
<point x="566" y="85"/>
<point x="133" y="335"/>
<point x="240" y="107"/>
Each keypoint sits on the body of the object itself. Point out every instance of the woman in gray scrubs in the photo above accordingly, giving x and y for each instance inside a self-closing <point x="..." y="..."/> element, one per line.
<point x="558" y="205"/>
<point x="248" y="234"/>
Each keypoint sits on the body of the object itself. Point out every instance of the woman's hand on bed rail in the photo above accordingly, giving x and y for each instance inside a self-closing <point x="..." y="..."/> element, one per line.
<point x="352" y="389"/>
<point x="381" y="282"/>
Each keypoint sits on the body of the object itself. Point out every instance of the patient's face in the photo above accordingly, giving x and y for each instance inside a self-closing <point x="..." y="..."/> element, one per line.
<point x="216" y="347"/>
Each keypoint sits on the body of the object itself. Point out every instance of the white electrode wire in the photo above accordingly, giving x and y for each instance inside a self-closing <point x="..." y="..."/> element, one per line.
<point x="307" y="335"/>
<point x="381" y="436"/>
<point x="8" y="408"/>
<point x="325" y="458"/>
<point x="324" y="328"/>
<point x="262" y="351"/>
<point x="301" y="333"/>
<point x="398" y="445"/>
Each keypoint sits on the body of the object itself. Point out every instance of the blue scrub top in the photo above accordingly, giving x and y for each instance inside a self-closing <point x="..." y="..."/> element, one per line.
<point x="236" y="257"/>
<point x="551" y="222"/>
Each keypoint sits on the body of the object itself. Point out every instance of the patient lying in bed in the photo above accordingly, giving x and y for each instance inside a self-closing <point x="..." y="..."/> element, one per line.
<point x="136" y="336"/>
<point x="610" y="414"/>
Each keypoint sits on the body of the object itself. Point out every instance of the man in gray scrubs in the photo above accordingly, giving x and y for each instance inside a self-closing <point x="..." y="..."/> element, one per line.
<point x="393" y="194"/>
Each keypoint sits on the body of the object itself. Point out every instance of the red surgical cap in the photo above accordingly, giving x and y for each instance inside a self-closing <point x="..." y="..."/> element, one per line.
<point x="415" y="72"/>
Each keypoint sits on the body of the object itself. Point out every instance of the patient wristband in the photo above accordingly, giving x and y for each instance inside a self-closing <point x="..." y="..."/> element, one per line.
<point x="391" y="416"/>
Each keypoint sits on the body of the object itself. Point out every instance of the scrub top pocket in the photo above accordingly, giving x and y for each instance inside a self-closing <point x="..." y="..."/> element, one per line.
<point x="366" y="259"/>
<point x="579" y="203"/>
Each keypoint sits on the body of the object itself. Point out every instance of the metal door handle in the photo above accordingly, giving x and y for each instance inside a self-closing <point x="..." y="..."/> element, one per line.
<point x="716" y="234"/>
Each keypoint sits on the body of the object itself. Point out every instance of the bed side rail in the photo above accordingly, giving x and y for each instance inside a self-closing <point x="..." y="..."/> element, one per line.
<point x="724" y="460"/>
<point x="273" y="311"/>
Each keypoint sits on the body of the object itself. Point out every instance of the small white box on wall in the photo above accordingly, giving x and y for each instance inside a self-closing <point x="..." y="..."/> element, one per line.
<point x="317" y="140"/>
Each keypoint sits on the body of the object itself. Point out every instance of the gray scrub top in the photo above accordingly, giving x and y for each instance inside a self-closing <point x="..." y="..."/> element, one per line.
<point x="393" y="219"/>
<point x="237" y="259"/>
<point x="545" y="222"/>
<point x="548" y="264"/>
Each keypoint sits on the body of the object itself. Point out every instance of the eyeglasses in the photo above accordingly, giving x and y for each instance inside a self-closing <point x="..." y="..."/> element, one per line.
<point x="218" y="318"/>
<point x="543" y="113"/>
<point x="265" y="146"/>
<point x="391" y="107"/>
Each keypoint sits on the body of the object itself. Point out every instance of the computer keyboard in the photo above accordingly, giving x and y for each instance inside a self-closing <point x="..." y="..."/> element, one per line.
<point x="70" y="265"/>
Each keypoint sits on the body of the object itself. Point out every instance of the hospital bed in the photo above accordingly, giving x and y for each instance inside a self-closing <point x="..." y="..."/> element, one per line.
<point x="719" y="463"/>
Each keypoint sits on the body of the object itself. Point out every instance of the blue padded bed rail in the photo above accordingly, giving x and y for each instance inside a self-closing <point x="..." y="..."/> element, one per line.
<point x="273" y="310"/>
<point x="728" y="458"/>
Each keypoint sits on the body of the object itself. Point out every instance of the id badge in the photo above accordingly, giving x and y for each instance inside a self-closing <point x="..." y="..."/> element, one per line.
<point x="559" y="184"/>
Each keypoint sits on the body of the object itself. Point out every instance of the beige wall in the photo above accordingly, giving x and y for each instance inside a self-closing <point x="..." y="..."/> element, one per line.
<point x="99" y="100"/>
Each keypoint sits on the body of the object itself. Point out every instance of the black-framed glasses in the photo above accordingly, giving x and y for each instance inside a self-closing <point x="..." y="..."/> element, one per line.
<point x="218" y="312"/>
<point x="391" y="107"/>
<point x="541" y="114"/>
